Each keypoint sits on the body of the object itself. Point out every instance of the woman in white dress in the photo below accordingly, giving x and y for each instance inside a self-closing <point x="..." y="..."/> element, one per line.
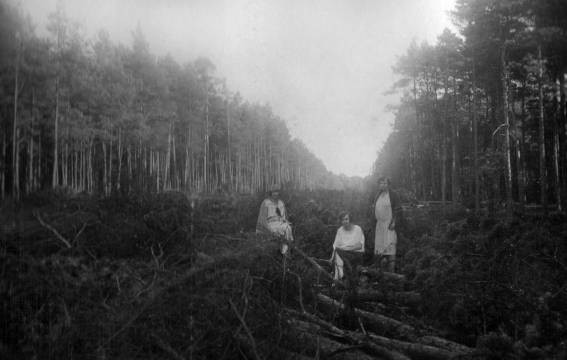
<point x="386" y="206"/>
<point x="272" y="218"/>
<point x="348" y="248"/>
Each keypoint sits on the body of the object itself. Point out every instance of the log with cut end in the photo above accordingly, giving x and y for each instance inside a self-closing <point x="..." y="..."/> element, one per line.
<point x="376" y="322"/>
<point x="379" y="274"/>
<point x="445" y="344"/>
<point x="310" y="339"/>
<point x="350" y="345"/>
<point x="275" y="351"/>
<point x="383" y="346"/>
<point x="394" y="328"/>
<point x="413" y="350"/>
<point x="410" y="298"/>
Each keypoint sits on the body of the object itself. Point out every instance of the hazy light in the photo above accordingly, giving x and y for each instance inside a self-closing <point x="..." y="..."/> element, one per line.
<point x="322" y="65"/>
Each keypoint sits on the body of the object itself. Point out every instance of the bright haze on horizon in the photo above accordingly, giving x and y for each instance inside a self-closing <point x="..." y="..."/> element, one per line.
<point x="323" y="66"/>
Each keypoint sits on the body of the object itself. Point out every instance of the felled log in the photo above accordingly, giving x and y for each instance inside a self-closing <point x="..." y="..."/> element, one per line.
<point x="445" y="344"/>
<point x="410" y="298"/>
<point x="414" y="350"/>
<point x="312" y="340"/>
<point x="392" y="327"/>
<point x="392" y="349"/>
<point x="314" y="262"/>
<point x="353" y="342"/>
<point x="275" y="352"/>
<point x="383" y="275"/>
<point x="376" y="322"/>
<point x="324" y="263"/>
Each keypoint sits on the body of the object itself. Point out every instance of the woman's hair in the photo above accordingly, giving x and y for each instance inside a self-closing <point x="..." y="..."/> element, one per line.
<point x="344" y="213"/>
<point x="384" y="178"/>
<point x="273" y="188"/>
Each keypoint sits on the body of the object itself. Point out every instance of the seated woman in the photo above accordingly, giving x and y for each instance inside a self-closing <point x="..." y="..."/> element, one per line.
<point x="272" y="218"/>
<point x="348" y="248"/>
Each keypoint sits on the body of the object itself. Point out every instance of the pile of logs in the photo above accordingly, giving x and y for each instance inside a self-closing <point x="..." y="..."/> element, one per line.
<point x="375" y="333"/>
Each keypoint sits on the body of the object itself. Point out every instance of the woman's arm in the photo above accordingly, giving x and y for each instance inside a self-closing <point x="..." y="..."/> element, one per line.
<point x="396" y="208"/>
<point x="262" y="223"/>
<point x="362" y="239"/>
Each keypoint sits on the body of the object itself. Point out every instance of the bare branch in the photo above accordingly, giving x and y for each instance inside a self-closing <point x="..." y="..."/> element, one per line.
<point x="52" y="229"/>
<point x="80" y="232"/>
<point x="248" y="332"/>
<point x="166" y="347"/>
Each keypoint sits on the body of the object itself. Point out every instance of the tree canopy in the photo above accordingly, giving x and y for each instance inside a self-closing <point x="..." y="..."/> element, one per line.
<point x="99" y="117"/>
<point x="482" y="113"/>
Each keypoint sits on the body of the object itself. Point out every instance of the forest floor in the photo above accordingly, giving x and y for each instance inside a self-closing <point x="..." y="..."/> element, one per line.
<point x="168" y="277"/>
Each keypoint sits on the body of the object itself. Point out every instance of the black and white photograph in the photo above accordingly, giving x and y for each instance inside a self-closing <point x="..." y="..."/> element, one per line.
<point x="283" y="179"/>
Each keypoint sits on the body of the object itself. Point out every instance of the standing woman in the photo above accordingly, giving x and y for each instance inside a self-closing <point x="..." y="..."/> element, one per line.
<point x="272" y="218"/>
<point x="386" y="210"/>
<point x="348" y="248"/>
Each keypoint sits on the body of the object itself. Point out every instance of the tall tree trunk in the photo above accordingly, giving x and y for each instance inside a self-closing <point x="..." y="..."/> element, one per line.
<point x="563" y="124"/>
<point x="119" y="167"/>
<point x="520" y="141"/>
<point x="15" y="157"/>
<point x="187" y="160"/>
<point x="228" y="146"/>
<point x="206" y="155"/>
<point x="505" y="112"/>
<point x="129" y="160"/>
<point x="444" y="147"/>
<point x="65" y="156"/>
<point x="454" y="150"/>
<point x="166" y="175"/>
<point x="30" y="178"/>
<point x="3" y="168"/>
<point x="104" y="174"/>
<point x="109" y="172"/>
<point x="39" y="179"/>
<point x="475" y="144"/>
<point x="175" y="173"/>
<point x="556" y="147"/>
<point x="542" y="165"/>
<point x="413" y="175"/>
<point x="105" y="170"/>
<point x="557" y="182"/>
<point x="55" y="178"/>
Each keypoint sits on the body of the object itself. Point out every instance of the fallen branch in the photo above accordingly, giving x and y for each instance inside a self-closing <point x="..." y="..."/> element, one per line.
<point x="376" y="322"/>
<point x="313" y="262"/>
<point x="399" y="329"/>
<point x="383" y="275"/>
<point x="80" y="232"/>
<point x="445" y="344"/>
<point x="155" y="295"/>
<point x="52" y="229"/>
<point x="410" y="298"/>
<point x="248" y="332"/>
<point x="359" y="341"/>
<point x="166" y="347"/>
<point x="413" y="350"/>
<point x="299" y="285"/>
<point x="310" y="338"/>
<point x="389" y="348"/>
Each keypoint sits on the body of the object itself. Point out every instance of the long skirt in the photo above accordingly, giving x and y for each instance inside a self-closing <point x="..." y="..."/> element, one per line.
<point x="281" y="228"/>
<point x="385" y="240"/>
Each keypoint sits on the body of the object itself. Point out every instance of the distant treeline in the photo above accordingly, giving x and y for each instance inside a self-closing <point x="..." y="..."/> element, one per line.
<point x="93" y="116"/>
<point x="483" y="114"/>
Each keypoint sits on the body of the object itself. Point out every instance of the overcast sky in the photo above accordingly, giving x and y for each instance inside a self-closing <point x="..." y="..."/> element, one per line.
<point x="322" y="65"/>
